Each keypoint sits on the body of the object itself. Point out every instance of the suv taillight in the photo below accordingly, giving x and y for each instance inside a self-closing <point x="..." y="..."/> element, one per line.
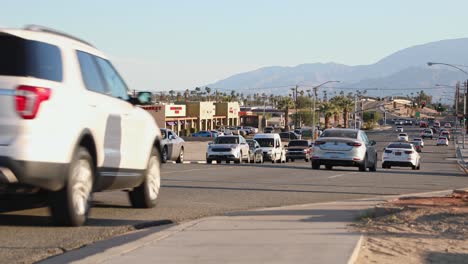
<point x="28" y="100"/>
<point x="354" y="144"/>
<point x="408" y="152"/>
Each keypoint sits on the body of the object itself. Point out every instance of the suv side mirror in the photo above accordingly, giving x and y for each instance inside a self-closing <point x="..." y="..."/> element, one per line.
<point x="142" y="98"/>
<point x="171" y="137"/>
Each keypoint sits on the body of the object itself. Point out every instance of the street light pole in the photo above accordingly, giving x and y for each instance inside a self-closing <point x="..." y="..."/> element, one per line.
<point x="315" y="89"/>
<point x="464" y="96"/>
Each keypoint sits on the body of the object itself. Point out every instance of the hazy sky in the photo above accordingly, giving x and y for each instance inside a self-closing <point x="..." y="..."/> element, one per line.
<point x="163" y="45"/>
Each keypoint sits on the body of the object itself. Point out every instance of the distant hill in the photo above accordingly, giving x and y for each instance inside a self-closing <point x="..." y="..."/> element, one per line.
<point x="404" y="68"/>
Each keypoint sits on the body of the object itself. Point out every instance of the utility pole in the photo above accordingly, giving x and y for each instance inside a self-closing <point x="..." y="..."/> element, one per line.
<point x="457" y="100"/>
<point x="313" y="113"/>
<point x="295" y="105"/>
<point x="355" y="111"/>
<point x="464" y="113"/>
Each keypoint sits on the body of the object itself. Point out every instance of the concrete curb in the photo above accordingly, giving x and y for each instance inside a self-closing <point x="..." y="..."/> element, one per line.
<point x="356" y="250"/>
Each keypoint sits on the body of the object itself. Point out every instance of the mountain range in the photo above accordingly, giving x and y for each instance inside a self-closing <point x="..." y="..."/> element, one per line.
<point x="401" y="73"/>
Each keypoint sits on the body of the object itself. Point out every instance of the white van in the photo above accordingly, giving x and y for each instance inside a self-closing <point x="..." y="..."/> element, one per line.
<point x="271" y="146"/>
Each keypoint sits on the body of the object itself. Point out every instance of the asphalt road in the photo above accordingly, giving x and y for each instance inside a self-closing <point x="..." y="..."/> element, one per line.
<point x="192" y="191"/>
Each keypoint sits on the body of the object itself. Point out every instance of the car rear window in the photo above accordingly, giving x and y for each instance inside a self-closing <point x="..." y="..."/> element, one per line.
<point x="227" y="140"/>
<point x="339" y="133"/>
<point x="403" y="146"/>
<point x="301" y="143"/>
<point x="29" y="58"/>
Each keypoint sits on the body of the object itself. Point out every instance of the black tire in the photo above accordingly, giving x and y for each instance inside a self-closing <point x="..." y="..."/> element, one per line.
<point x="413" y="167"/>
<point x="306" y="159"/>
<point x="218" y="161"/>
<point x="228" y="161"/>
<point x="180" y="159"/>
<point x="315" y="165"/>
<point x="374" y="166"/>
<point x="146" y="195"/>
<point x="328" y="167"/>
<point x="64" y="208"/>
<point x="248" y="158"/>
<point x="209" y="161"/>
<point x="164" y="155"/>
<point x="419" y="166"/>
<point x="292" y="160"/>
<point x="254" y="160"/>
<point x="363" y="165"/>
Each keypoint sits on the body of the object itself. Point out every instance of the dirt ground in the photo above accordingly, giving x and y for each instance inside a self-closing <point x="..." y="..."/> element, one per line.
<point x="416" y="230"/>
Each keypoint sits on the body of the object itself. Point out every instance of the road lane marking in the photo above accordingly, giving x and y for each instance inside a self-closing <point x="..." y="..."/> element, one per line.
<point x="340" y="175"/>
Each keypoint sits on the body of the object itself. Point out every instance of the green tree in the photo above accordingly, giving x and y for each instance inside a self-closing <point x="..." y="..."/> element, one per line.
<point x="328" y="110"/>
<point x="284" y="104"/>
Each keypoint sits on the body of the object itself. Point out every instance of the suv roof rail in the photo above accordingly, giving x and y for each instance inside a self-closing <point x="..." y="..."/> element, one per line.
<point x="56" y="32"/>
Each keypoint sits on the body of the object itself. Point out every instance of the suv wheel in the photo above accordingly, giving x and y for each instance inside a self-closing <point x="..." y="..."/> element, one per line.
<point x="146" y="195"/>
<point x="374" y="165"/>
<point x="180" y="159"/>
<point x="164" y="154"/>
<point x="70" y="206"/>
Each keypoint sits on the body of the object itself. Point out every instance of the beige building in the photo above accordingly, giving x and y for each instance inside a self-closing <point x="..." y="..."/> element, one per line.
<point x="230" y="112"/>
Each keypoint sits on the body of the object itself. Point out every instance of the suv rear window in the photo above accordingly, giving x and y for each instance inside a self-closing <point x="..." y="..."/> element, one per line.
<point x="29" y="58"/>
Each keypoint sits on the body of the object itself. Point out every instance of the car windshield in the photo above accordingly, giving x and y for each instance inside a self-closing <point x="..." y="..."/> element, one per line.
<point x="402" y="135"/>
<point x="301" y="143"/>
<point x="251" y="143"/>
<point x="339" y="133"/>
<point x="227" y="140"/>
<point x="442" y="138"/>
<point x="265" y="142"/>
<point x="403" y="146"/>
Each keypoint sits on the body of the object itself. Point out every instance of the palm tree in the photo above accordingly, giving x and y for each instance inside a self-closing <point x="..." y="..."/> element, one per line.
<point x="285" y="103"/>
<point x="345" y="105"/>
<point x="328" y="109"/>
<point x="171" y="93"/>
<point x="208" y="91"/>
<point x="186" y="94"/>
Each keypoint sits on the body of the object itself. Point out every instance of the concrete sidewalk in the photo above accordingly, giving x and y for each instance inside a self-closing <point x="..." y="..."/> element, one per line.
<point x="315" y="233"/>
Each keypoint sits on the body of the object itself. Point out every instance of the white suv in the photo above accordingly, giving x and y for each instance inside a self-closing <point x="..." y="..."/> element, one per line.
<point x="69" y="127"/>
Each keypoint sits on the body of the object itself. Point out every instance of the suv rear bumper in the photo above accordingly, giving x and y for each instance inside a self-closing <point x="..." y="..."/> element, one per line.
<point x="48" y="176"/>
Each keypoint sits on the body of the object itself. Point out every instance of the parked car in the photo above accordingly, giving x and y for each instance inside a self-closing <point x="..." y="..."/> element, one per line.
<point x="252" y="130"/>
<point x="172" y="146"/>
<point x="448" y="125"/>
<point x="408" y="122"/>
<point x="344" y="147"/>
<point x="69" y="126"/>
<point x="427" y="133"/>
<point x="268" y="130"/>
<point x="289" y="135"/>
<point x="399" y="129"/>
<point x="401" y="154"/>
<point x="403" y="137"/>
<point x="298" y="149"/>
<point x="417" y="145"/>
<point x="419" y="140"/>
<point x="442" y="141"/>
<point x="202" y="133"/>
<point x="228" y="148"/>
<point x="272" y="147"/>
<point x="256" y="153"/>
<point x="436" y="124"/>
<point x="216" y="133"/>
<point x="423" y="124"/>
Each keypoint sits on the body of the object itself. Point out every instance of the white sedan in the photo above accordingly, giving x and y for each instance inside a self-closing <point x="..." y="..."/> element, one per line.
<point x="442" y="141"/>
<point x="419" y="140"/>
<point x="401" y="154"/>
<point x="399" y="129"/>
<point x="403" y="137"/>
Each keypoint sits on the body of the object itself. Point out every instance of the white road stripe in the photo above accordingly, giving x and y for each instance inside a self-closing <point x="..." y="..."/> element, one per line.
<point x="339" y="175"/>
